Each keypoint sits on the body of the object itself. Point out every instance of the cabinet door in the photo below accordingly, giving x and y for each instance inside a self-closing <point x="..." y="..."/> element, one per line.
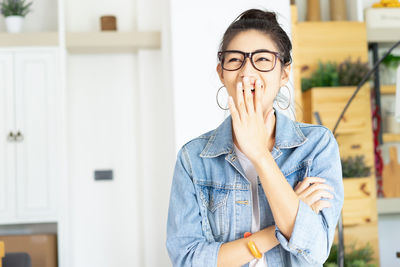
<point x="36" y="87"/>
<point x="7" y="147"/>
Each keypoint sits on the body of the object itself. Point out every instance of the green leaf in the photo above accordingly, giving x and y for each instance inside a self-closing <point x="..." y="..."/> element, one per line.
<point x="15" y="8"/>
<point x="361" y="257"/>
<point x="355" y="167"/>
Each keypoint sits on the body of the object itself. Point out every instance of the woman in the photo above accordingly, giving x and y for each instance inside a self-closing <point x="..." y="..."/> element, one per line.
<point x="259" y="171"/>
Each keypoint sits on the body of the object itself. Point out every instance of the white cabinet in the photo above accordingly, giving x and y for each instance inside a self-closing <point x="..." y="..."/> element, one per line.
<point x="7" y="152"/>
<point x="28" y="127"/>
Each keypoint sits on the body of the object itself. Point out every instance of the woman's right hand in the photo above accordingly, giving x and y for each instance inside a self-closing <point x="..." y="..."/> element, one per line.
<point x="311" y="190"/>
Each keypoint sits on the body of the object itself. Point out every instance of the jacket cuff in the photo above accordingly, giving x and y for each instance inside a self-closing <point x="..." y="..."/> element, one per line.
<point x="207" y="254"/>
<point x="302" y="232"/>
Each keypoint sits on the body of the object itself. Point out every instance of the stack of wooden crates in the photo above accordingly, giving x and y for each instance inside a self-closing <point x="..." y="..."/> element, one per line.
<point x="337" y="41"/>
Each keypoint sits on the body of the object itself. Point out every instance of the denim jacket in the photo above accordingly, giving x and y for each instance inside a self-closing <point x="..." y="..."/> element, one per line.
<point x="211" y="202"/>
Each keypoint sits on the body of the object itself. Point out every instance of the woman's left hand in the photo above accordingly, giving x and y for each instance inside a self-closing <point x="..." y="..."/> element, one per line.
<point x="252" y="130"/>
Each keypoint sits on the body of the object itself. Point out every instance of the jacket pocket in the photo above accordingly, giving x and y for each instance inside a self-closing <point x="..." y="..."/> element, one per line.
<point x="214" y="199"/>
<point x="298" y="173"/>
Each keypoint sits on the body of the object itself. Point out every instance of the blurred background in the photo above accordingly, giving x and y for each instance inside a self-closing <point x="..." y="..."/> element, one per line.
<point x="97" y="97"/>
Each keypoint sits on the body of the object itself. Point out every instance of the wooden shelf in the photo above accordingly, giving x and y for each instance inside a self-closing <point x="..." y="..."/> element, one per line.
<point x="28" y="39"/>
<point x="388" y="206"/>
<point x="111" y="42"/>
<point x="391" y="137"/>
<point x="382" y="35"/>
<point x="388" y="89"/>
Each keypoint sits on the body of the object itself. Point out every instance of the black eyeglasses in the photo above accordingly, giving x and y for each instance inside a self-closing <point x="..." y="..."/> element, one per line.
<point x="262" y="60"/>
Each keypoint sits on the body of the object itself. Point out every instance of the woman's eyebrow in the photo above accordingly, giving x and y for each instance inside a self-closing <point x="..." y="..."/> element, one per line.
<point x="262" y="50"/>
<point x="255" y="51"/>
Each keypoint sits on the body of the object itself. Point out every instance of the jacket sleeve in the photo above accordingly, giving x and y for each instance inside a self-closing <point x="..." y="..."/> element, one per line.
<point x="313" y="234"/>
<point x="186" y="243"/>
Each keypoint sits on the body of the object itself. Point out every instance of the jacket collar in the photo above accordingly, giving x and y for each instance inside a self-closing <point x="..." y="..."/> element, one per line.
<point x="287" y="135"/>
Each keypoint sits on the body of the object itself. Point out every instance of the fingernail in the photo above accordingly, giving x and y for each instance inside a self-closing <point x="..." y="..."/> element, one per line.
<point x="246" y="79"/>
<point x="258" y="82"/>
<point x="230" y="99"/>
<point x="240" y="85"/>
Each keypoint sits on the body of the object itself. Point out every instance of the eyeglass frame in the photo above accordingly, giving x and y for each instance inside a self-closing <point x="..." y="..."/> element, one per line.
<point x="250" y="56"/>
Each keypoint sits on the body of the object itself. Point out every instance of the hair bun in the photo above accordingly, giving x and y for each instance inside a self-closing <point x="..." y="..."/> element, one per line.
<point x="264" y="22"/>
<point x="257" y="14"/>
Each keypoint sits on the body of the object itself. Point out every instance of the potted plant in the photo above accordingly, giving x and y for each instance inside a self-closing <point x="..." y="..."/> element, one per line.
<point x="358" y="191"/>
<point x="327" y="90"/>
<point x="351" y="73"/>
<point x="326" y="75"/>
<point x="355" y="167"/>
<point x="388" y="72"/>
<point x="361" y="257"/>
<point x="330" y="74"/>
<point x="14" y="11"/>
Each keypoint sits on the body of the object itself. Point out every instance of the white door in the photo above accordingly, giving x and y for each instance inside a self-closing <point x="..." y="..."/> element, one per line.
<point x="7" y="145"/>
<point x="35" y="90"/>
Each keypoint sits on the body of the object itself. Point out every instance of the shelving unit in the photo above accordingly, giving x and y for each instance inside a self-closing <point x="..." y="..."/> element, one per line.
<point x="111" y="42"/>
<point x="391" y="137"/>
<point x="86" y="42"/>
<point x="335" y="41"/>
<point x="383" y="35"/>
<point x="388" y="89"/>
<point x="388" y="206"/>
<point x="382" y="27"/>
<point x="28" y="39"/>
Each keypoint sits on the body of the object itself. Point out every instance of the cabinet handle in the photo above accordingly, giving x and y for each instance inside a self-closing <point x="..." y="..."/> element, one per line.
<point x="11" y="137"/>
<point x="19" y="137"/>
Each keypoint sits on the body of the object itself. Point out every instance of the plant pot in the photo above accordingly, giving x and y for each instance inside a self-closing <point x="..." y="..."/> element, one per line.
<point x="359" y="205"/>
<point x="388" y="75"/>
<point x="14" y="23"/>
<point x="329" y="101"/>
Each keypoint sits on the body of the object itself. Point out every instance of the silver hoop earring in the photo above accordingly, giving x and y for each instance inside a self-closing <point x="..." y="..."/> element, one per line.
<point x="217" y="98"/>
<point x="290" y="97"/>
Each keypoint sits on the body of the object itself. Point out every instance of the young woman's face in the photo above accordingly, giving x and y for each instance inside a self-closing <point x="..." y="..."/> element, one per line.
<point x="272" y="81"/>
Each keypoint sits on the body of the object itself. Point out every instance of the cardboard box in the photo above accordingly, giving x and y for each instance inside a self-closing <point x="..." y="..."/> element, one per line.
<point x="41" y="247"/>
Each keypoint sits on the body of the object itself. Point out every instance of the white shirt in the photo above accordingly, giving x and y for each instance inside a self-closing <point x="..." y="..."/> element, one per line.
<point x="252" y="176"/>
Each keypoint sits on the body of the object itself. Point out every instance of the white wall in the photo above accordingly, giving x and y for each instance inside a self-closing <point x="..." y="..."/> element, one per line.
<point x="85" y="15"/>
<point x="102" y="135"/>
<point x="120" y="117"/>
<point x="199" y="26"/>
<point x="157" y="133"/>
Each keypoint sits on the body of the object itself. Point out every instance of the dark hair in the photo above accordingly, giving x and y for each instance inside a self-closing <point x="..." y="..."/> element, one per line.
<point x="264" y="21"/>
